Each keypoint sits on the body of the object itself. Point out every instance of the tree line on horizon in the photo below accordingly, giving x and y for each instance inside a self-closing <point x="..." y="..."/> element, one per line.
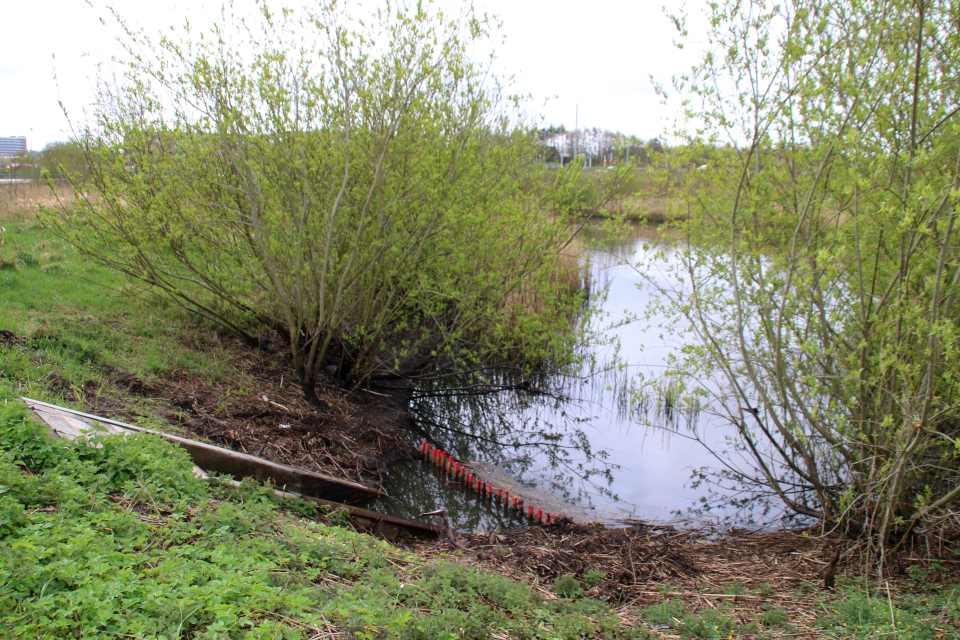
<point x="595" y="146"/>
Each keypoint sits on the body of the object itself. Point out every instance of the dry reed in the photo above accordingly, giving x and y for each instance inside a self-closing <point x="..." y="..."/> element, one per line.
<point x="19" y="200"/>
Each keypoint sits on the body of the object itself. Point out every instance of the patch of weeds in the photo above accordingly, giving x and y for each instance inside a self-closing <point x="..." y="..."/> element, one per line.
<point x="568" y="586"/>
<point x="708" y="624"/>
<point x="735" y="588"/>
<point x="764" y="589"/>
<point x="593" y="576"/>
<point x="340" y="517"/>
<point x="53" y="269"/>
<point x="27" y="259"/>
<point x="8" y="263"/>
<point x="667" y="612"/>
<point x="301" y="507"/>
<point x="857" y="613"/>
<point x="773" y="616"/>
<point x="920" y="578"/>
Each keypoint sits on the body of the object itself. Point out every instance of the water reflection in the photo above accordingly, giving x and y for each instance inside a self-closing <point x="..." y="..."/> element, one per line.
<point x="415" y="487"/>
<point x="579" y="435"/>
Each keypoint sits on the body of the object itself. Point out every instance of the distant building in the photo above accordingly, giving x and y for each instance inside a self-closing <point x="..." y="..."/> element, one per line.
<point x="12" y="145"/>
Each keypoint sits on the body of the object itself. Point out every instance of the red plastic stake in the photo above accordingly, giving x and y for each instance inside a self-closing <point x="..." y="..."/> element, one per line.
<point x="515" y="502"/>
<point x="531" y="511"/>
<point x="499" y="495"/>
<point x="456" y="469"/>
<point x="470" y="480"/>
<point x="539" y="515"/>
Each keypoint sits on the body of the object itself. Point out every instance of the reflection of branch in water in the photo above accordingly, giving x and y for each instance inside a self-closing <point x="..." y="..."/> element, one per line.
<point x="487" y="389"/>
<point x="484" y="425"/>
<point x="514" y="444"/>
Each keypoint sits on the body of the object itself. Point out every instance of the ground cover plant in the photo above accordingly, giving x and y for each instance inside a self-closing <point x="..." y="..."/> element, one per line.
<point x="117" y="536"/>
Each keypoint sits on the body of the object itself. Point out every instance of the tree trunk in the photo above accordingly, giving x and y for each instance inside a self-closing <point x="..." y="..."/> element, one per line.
<point x="308" y="384"/>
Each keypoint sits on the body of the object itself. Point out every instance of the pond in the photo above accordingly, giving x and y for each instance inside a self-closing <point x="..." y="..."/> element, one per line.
<point x="548" y="433"/>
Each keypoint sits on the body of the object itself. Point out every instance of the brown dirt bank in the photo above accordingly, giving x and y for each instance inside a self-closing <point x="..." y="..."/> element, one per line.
<point x="743" y="572"/>
<point x="354" y="434"/>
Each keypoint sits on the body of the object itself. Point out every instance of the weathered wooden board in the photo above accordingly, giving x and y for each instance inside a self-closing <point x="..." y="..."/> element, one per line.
<point x="215" y="459"/>
<point x="69" y="423"/>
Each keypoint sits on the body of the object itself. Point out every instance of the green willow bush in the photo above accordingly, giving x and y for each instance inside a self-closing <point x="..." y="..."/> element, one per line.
<point x="821" y="269"/>
<point x="362" y="186"/>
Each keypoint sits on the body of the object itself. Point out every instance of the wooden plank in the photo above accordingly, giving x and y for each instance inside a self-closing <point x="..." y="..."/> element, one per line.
<point x="217" y="459"/>
<point x="72" y="424"/>
<point x="67" y="426"/>
<point x="390" y="527"/>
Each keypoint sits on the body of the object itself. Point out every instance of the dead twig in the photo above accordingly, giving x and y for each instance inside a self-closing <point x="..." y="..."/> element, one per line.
<point x="447" y="526"/>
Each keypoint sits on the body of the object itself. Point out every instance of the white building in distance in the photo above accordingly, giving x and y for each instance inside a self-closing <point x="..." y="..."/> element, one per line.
<point x="11" y="145"/>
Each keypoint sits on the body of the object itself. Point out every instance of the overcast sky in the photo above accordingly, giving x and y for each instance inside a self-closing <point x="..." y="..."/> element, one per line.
<point x="562" y="52"/>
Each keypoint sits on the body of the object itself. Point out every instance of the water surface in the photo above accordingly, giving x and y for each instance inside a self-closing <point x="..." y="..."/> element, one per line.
<point x="547" y="432"/>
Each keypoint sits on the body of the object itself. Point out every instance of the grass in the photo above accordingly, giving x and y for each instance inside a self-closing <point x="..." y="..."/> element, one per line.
<point x="78" y="322"/>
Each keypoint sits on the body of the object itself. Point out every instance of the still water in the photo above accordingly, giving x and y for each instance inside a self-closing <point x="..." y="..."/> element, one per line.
<point x="581" y="437"/>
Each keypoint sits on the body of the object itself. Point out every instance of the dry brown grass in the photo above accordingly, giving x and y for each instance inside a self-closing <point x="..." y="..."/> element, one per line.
<point x="655" y="209"/>
<point x="568" y="277"/>
<point x="19" y="200"/>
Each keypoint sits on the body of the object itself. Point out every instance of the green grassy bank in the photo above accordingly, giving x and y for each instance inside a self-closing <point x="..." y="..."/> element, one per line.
<point x="81" y="321"/>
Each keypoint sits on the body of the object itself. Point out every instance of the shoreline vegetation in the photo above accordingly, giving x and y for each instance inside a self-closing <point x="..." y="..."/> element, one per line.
<point x="75" y="332"/>
<point x="281" y="225"/>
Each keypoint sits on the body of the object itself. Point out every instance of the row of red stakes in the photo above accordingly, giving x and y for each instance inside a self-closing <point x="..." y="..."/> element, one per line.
<point x="453" y="467"/>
